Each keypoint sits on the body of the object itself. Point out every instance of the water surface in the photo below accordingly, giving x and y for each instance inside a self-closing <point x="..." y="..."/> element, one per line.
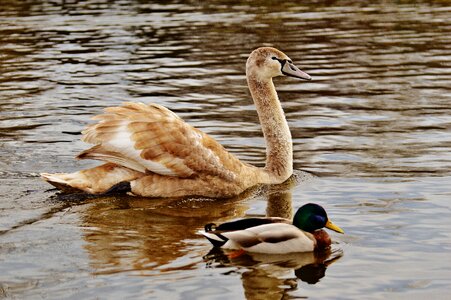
<point x="371" y="134"/>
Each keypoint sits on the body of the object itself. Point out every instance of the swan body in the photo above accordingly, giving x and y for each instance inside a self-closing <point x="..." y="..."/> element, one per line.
<point x="160" y="155"/>
<point x="275" y="235"/>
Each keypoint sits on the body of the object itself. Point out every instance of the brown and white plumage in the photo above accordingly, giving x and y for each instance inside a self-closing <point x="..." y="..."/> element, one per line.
<point x="151" y="138"/>
<point x="162" y="156"/>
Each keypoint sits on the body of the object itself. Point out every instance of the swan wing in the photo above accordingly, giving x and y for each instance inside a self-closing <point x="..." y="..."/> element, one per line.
<point x="151" y="138"/>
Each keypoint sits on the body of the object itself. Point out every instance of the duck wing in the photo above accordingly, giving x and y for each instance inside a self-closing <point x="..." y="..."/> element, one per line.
<point x="151" y="138"/>
<point x="218" y="234"/>
<point x="273" y="238"/>
<point x="248" y="223"/>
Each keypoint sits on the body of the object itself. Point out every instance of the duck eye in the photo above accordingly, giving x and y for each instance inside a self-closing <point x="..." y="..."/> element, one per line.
<point x="274" y="58"/>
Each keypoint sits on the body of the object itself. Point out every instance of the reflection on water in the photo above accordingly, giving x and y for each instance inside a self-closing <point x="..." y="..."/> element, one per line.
<point x="123" y="231"/>
<point x="266" y="276"/>
<point x="373" y="123"/>
<point x="378" y="104"/>
<point x="150" y="237"/>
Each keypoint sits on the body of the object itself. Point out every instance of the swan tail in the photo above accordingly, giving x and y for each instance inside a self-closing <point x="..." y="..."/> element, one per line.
<point x="60" y="180"/>
<point x="108" y="177"/>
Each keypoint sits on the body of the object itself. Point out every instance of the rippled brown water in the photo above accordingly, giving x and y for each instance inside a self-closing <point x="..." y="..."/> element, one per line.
<point x="373" y="126"/>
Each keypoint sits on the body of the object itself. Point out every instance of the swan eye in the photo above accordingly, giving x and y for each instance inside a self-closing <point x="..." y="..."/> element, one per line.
<point x="281" y="61"/>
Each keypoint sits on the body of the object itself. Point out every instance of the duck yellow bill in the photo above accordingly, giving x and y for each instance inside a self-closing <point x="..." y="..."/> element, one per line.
<point x="333" y="227"/>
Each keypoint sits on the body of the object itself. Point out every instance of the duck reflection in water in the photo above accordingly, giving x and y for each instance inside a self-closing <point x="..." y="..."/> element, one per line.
<point x="309" y="267"/>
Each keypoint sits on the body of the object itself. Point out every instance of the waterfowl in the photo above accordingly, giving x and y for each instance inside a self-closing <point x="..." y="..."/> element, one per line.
<point x="275" y="235"/>
<point x="159" y="155"/>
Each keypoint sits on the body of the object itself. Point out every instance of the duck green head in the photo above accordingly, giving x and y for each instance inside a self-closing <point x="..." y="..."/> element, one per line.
<point x="311" y="217"/>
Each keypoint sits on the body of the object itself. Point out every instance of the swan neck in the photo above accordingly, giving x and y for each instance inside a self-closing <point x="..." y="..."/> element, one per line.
<point x="279" y="148"/>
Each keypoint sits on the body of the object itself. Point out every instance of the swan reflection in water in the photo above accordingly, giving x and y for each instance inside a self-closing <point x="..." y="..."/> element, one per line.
<point x="124" y="233"/>
<point x="152" y="236"/>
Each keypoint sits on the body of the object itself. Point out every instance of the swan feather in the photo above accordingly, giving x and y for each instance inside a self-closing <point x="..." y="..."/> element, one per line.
<point x="151" y="138"/>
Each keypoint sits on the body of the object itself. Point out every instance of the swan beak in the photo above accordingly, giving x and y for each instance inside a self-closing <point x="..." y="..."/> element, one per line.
<point x="333" y="227"/>
<point x="289" y="69"/>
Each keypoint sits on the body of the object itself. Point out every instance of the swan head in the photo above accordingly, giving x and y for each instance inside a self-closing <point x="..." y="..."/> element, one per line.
<point x="266" y="62"/>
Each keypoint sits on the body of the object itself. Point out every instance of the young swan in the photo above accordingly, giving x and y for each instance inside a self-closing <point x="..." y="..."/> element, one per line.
<point x="160" y="155"/>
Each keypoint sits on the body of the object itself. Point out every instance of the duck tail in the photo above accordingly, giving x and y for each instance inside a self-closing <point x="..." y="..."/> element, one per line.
<point x="210" y="227"/>
<point x="217" y="239"/>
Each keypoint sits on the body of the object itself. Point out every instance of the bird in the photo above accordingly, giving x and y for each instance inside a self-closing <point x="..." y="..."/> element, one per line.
<point x="273" y="235"/>
<point x="155" y="153"/>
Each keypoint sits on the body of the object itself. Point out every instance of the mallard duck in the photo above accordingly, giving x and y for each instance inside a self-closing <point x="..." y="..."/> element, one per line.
<point x="160" y="155"/>
<point x="275" y="235"/>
